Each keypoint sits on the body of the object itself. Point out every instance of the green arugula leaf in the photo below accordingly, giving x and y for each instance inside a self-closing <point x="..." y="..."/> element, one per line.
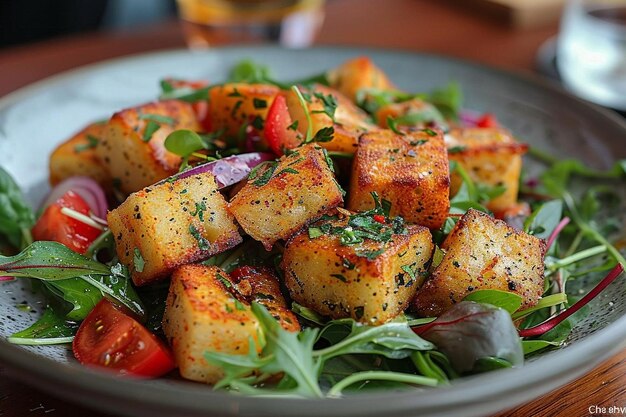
<point x="16" y="217"/>
<point x="50" y="261"/>
<point x="508" y="301"/>
<point x="118" y="286"/>
<point x="393" y="340"/>
<point x="542" y="221"/>
<point x="50" y="329"/>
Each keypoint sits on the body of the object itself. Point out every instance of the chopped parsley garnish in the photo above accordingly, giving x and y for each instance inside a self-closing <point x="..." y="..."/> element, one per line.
<point x="369" y="254"/>
<point x="203" y="244"/>
<point x="418" y="142"/>
<point x="393" y="125"/>
<point x="325" y="134"/>
<point x="236" y="108"/>
<point x="200" y="209"/>
<point x="362" y="226"/>
<point x="347" y="264"/>
<point x="409" y="271"/>
<point x="264" y="178"/>
<point x="457" y="149"/>
<point x="239" y="306"/>
<point x="235" y="93"/>
<point x="329" y="102"/>
<point x="151" y="127"/>
<point x="92" y="142"/>
<point x="288" y="171"/>
<point x="429" y="132"/>
<point x="223" y="280"/>
<point x="138" y="260"/>
<point x="259" y="103"/>
<point x="258" y="123"/>
<point x="339" y="277"/>
<point x="293" y="126"/>
<point x="158" y="118"/>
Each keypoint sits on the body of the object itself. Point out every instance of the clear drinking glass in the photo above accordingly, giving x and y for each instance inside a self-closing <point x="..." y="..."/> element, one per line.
<point x="591" y="52"/>
<point x="292" y="23"/>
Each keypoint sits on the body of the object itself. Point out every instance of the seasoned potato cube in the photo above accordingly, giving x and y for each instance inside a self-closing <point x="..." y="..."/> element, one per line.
<point x="170" y="224"/>
<point x="297" y="190"/>
<point x="371" y="282"/>
<point x="490" y="156"/>
<point x="411" y="113"/>
<point x="483" y="253"/>
<point x="132" y="143"/>
<point x="260" y="284"/>
<point x="77" y="157"/>
<point x="349" y="121"/>
<point x="356" y="74"/>
<point x="410" y="171"/>
<point x="206" y="312"/>
<point x="232" y="105"/>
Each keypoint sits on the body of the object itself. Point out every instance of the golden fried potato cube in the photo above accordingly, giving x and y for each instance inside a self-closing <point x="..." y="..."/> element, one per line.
<point x="77" y="157"/>
<point x="357" y="74"/>
<point x="349" y="120"/>
<point x="170" y="224"/>
<point x="206" y="312"/>
<point x="410" y="171"/>
<point x="490" y="156"/>
<point x="235" y="104"/>
<point x="409" y="113"/>
<point x="371" y="282"/>
<point x="294" y="192"/>
<point x="132" y="143"/>
<point x="483" y="253"/>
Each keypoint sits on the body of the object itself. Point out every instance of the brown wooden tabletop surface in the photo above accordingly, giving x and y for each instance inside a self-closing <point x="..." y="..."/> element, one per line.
<point x="419" y="25"/>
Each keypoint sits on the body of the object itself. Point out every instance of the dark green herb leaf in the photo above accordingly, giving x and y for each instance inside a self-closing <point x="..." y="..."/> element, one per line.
<point x="265" y="177"/>
<point x="138" y="261"/>
<point x="259" y="103"/>
<point x="340" y="277"/>
<point x="80" y="294"/>
<point x="149" y="130"/>
<point x="325" y="134"/>
<point x="158" y="118"/>
<point x="329" y="102"/>
<point x="203" y="243"/>
<point x="92" y="142"/>
<point x="118" y="286"/>
<point x="457" y="149"/>
<point x="50" y="261"/>
<point x="542" y="221"/>
<point x="16" y="217"/>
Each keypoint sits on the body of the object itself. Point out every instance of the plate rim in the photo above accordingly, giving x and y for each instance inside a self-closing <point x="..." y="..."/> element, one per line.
<point x="464" y="392"/>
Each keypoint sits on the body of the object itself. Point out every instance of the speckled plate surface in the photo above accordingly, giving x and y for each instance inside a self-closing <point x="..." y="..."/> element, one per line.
<point x="35" y="119"/>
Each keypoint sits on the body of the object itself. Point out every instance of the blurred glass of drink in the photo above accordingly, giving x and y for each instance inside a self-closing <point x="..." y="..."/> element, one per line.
<point x="292" y="23"/>
<point x="591" y="52"/>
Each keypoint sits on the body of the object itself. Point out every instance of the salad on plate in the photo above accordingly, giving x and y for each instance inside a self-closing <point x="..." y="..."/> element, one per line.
<point x="308" y="238"/>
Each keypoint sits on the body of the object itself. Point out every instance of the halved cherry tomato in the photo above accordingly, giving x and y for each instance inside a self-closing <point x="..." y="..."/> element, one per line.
<point x="487" y="120"/>
<point x="110" y="338"/>
<point x="277" y="131"/>
<point x="379" y="218"/>
<point x="56" y="226"/>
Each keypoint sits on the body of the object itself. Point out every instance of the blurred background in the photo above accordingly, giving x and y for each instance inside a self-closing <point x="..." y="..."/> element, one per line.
<point x="589" y="55"/>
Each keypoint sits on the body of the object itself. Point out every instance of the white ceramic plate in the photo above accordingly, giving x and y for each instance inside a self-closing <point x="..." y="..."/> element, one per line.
<point x="35" y="119"/>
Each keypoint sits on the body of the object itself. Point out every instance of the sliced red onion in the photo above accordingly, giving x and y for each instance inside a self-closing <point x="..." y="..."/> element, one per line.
<point x="88" y="189"/>
<point x="229" y="170"/>
<point x="469" y="118"/>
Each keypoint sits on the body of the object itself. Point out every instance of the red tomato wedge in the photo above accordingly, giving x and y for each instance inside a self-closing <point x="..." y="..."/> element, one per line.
<point x="109" y="338"/>
<point x="487" y="120"/>
<point x="56" y="226"/>
<point x="277" y="131"/>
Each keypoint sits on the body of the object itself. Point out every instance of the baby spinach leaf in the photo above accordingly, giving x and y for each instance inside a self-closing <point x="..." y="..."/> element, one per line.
<point x="183" y="142"/>
<point x="16" y="217"/>
<point x="81" y="295"/>
<point x="50" y="261"/>
<point x="508" y="301"/>
<point x="51" y="328"/>
<point x="542" y="221"/>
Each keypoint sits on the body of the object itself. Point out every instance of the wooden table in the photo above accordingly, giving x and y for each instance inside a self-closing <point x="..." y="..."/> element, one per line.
<point x="419" y="25"/>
